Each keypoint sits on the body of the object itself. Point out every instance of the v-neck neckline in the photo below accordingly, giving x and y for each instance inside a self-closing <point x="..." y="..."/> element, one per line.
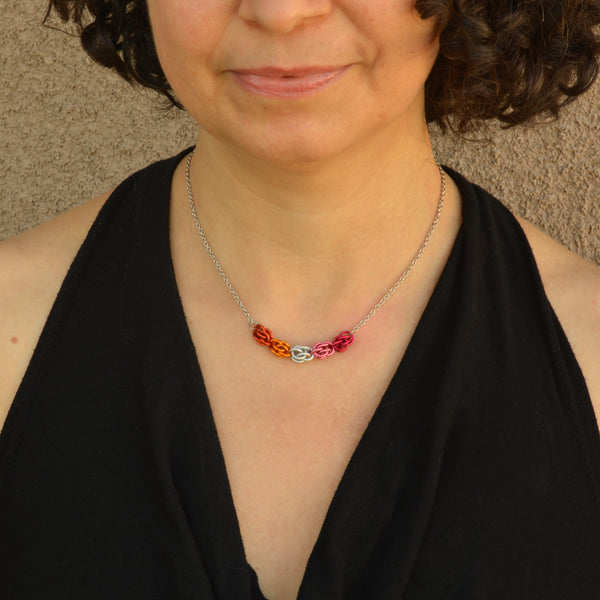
<point x="384" y="410"/>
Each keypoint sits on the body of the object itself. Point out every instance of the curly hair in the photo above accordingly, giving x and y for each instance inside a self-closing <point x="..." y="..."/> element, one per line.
<point x="510" y="60"/>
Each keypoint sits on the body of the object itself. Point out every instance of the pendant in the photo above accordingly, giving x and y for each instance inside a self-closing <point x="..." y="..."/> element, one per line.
<point x="302" y="354"/>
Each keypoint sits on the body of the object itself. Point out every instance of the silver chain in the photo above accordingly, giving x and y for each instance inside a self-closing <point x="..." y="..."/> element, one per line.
<point x="381" y="302"/>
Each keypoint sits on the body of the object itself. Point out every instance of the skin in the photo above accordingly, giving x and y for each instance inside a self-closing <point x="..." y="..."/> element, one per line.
<point x="270" y="174"/>
<point x="311" y="204"/>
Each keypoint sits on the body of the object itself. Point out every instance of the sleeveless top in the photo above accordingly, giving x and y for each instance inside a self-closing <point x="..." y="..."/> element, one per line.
<point x="476" y="478"/>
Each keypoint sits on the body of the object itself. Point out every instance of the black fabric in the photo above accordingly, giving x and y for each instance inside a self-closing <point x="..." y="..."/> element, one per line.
<point x="477" y="477"/>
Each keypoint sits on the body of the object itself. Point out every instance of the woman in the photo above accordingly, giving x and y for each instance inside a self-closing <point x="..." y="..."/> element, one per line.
<point x="443" y="447"/>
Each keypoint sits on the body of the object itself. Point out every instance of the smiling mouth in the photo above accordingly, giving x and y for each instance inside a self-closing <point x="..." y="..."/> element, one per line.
<point x="287" y="83"/>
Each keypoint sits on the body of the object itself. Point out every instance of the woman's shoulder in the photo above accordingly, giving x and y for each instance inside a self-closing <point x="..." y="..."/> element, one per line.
<point x="572" y="285"/>
<point x="32" y="261"/>
<point x="33" y="266"/>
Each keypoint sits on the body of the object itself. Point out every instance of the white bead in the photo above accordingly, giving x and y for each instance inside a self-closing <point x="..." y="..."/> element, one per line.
<point x="301" y="354"/>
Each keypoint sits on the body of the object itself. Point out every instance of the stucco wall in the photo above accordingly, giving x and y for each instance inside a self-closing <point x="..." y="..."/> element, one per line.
<point x="70" y="130"/>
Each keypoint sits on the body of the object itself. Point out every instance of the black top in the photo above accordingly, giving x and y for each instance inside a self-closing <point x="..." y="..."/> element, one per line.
<point x="477" y="477"/>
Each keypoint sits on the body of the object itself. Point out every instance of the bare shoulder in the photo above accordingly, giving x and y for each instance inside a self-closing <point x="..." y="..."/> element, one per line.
<point x="33" y="266"/>
<point x="573" y="288"/>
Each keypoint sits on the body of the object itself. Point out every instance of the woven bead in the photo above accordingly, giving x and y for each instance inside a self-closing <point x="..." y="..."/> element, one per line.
<point x="262" y="335"/>
<point x="279" y="348"/>
<point x="342" y="341"/>
<point x="301" y="354"/>
<point x="322" y="350"/>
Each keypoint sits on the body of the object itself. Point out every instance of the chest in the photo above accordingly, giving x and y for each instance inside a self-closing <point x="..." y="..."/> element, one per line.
<point x="287" y="433"/>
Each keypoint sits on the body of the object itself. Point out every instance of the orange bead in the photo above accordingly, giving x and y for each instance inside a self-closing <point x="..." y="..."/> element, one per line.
<point x="262" y="335"/>
<point x="279" y="348"/>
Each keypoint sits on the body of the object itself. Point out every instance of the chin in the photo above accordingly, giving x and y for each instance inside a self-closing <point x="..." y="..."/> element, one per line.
<point x="296" y="147"/>
<point x="295" y="154"/>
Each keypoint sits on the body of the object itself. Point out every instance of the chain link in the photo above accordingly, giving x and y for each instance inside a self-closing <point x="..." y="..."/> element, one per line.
<point x="188" y="183"/>
<point x="415" y="259"/>
<point x="369" y="315"/>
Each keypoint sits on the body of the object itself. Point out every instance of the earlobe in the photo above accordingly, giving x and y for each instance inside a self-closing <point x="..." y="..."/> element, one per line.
<point x="434" y="11"/>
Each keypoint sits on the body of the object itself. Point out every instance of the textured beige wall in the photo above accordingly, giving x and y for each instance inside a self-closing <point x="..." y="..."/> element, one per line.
<point x="70" y="130"/>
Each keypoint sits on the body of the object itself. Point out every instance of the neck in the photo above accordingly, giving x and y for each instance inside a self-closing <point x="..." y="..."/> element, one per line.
<point x="387" y="181"/>
<point x="345" y="227"/>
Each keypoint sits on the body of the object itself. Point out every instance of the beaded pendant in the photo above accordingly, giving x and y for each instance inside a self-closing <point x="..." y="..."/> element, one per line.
<point x="301" y="354"/>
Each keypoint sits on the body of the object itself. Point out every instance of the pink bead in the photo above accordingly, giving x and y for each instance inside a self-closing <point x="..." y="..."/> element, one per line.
<point x="342" y="341"/>
<point x="323" y="350"/>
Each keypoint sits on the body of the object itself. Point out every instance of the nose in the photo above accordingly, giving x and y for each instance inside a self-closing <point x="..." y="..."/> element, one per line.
<point x="283" y="16"/>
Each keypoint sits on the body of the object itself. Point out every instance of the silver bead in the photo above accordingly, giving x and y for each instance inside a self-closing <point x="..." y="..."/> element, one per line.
<point x="301" y="354"/>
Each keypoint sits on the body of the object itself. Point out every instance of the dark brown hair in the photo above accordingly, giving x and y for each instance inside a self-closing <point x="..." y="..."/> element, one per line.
<point x="511" y="60"/>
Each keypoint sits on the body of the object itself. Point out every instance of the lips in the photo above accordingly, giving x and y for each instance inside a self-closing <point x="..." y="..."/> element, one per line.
<point x="288" y="83"/>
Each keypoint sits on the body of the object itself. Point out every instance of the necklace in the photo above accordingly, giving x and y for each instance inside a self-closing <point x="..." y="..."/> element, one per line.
<point x="321" y="350"/>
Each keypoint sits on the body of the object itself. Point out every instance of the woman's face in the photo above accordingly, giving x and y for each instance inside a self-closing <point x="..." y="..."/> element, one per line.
<point x="296" y="80"/>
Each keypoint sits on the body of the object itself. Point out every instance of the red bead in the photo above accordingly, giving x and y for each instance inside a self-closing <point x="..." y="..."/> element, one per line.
<point x="342" y="341"/>
<point x="262" y="335"/>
